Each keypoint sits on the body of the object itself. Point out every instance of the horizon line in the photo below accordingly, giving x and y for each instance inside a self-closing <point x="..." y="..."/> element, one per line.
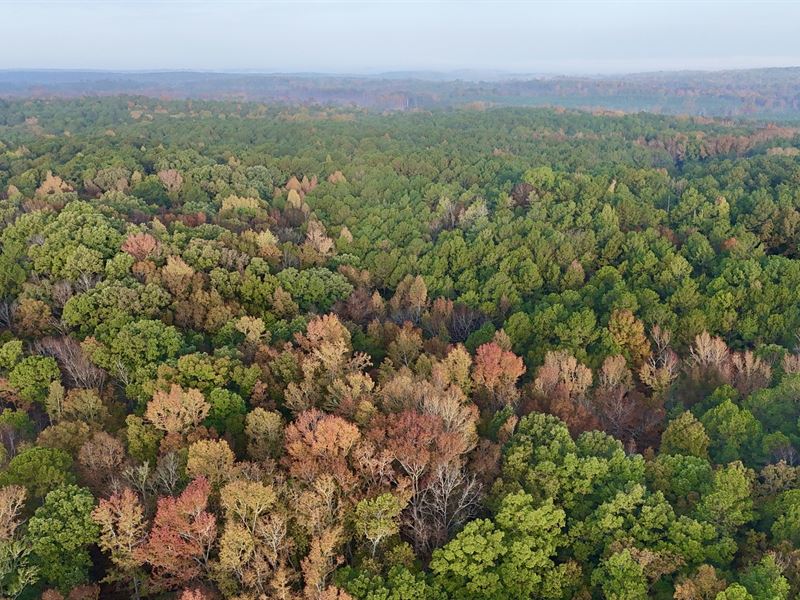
<point x="390" y="71"/>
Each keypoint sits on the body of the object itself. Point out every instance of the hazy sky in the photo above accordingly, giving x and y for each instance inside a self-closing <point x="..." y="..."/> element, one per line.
<point x="335" y="36"/>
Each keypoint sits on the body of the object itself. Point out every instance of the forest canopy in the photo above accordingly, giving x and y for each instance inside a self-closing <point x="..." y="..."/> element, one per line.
<point x="258" y="351"/>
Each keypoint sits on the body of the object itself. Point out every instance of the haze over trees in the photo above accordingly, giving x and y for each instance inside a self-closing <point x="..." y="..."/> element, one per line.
<point x="253" y="351"/>
<point x="759" y="93"/>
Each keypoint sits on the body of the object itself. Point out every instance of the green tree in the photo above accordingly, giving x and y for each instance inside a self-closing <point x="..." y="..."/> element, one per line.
<point x="40" y="470"/>
<point x="735" y="433"/>
<point x="787" y="523"/>
<point x="60" y="532"/>
<point x="729" y="503"/>
<point x="32" y="376"/>
<point x="685" y="435"/>
<point x="734" y="592"/>
<point x="377" y="518"/>
<point x="510" y="558"/>
<point x="620" y="577"/>
<point x="765" y="580"/>
<point x="227" y="411"/>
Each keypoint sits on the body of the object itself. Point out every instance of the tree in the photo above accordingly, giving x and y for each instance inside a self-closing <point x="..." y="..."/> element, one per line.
<point x="681" y="478"/>
<point x="152" y="191"/>
<point x="227" y="411"/>
<point x="40" y="470"/>
<point x="264" y="431"/>
<point x="685" y="435"/>
<point x="17" y="570"/>
<point x="84" y="405"/>
<point x="316" y="287"/>
<point x="10" y="354"/>
<point x="12" y="500"/>
<point x="497" y="371"/>
<point x="466" y="567"/>
<point x="73" y="361"/>
<point x="322" y="559"/>
<point x="419" y="443"/>
<point x="177" y="411"/>
<point x="32" y="317"/>
<point x="255" y="542"/>
<point x="177" y="276"/>
<point x="406" y="346"/>
<point x="32" y="376"/>
<point x="60" y="532"/>
<point x="728" y="504"/>
<point x="561" y="384"/>
<point x="734" y="432"/>
<point x="628" y="333"/>
<point x="140" y="245"/>
<point x="703" y="585"/>
<point x="710" y="362"/>
<point x="178" y="548"/>
<point x="101" y="459"/>
<point x="212" y="460"/>
<point x="134" y="353"/>
<point x="621" y="409"/>
<point x="750" y="373"/>
<point x="122" y="532"/>
<point x="734" y="592"/>
<point x="319" y="444"/>
<point x="765" y="580"/>
<point x="787" y="523"/>
<point x="417" y="295"/>
<point x="171" y="179"/>
<point x="400" y="582"/>
<point x="16" y="427"/>
<point x="142" y="439"/>
<point x="67" y="436"/>
<point x="377" y="518"/>
<point x="510" y="558"/>
<point x="620" y="577"/>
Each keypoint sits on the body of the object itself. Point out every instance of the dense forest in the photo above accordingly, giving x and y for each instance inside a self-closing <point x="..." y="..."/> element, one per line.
<point x="753" y="93"/>
<point x="260" y="352"/>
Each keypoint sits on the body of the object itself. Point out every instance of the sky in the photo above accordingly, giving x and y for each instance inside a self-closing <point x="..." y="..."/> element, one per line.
<point x="569" y="37"/>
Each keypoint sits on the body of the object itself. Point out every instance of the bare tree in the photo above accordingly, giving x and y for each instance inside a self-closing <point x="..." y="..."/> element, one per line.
<point x="167" y="475"/>
<point x="72" y="361"/>
<point x="5" y="314"/>
<point x="451" y="498"/>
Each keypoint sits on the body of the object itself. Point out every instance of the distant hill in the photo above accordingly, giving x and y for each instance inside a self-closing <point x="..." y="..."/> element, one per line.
<point x="758" y="93"/>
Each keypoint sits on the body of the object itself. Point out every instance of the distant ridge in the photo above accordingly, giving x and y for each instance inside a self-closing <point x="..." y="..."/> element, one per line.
<point x="753" y="93"/>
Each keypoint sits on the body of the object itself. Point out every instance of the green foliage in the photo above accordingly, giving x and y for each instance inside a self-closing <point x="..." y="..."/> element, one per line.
<point x="40" y="470"/>
<point x="685" y="435"/>
<point x="511" y="557"/>
<point x="787" y="524"/>
<point x="60" y="532"/>
<point x="17" y="569"/>
<point x="399" y="584"/>
<point x="227" y="412"/>
<point x="729" y="503"/>
<point x="377" y="518"/>
<point x="10" y="354"/>
<point x="32" y="376"/>
<point x="765" y="580"/>
<point x="734" y="592"/>
<point x="735" y="432"/>
<point x="202" y="245"/>
<point x="621" y="578"/>
<point x="316" y="288"/>
<point x="151" y="191"/>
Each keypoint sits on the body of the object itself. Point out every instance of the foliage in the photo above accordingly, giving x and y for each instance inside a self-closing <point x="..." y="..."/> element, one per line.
<point x="318" y="352"/>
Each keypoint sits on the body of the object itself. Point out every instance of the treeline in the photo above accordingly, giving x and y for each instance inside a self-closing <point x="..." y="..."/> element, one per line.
<point x="253" y="352"/>
<point x="752" y="93"/>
